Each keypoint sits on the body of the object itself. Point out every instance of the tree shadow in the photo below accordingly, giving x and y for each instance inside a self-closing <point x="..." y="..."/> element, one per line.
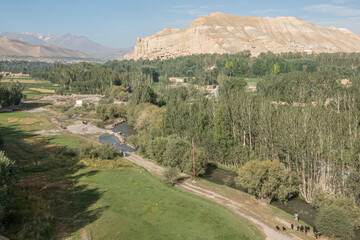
<point x="47" y="201"/>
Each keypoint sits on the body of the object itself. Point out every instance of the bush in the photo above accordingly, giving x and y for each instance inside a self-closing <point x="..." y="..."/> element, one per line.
<point x="85" y="105"/>
<point x="11" y="94"/>
<point x="178" y="154"/>
<point x="105" y="151"/>
<point x="334" y="221"/>
<point x="87" y="151"/>
<point x="176" y="149"/>
<point x="109" y="111"/>
<point x="322" y="199"/>
<point x="8" y="174"/>
<point x="170" y="176"/>
<point x="200" y="162"/>
<point x="106" y="101"/>
<point x="157" y="148"/>
<point x="268" y="180"/>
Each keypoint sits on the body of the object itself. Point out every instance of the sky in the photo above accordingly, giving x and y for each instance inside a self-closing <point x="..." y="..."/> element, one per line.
<point x="118" y="23"/>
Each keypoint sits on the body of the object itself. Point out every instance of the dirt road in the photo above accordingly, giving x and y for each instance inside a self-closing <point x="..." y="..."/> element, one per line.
<point x="237" y="207"/>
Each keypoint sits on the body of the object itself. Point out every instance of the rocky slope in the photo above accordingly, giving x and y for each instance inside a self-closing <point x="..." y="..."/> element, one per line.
<point x="70" y="41"/>
<point x="223" y="33"/>
<point x="14" y="47"/>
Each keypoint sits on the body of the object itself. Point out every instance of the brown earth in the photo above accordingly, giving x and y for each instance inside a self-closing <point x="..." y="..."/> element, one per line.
<point x="222" y="33"/>
<point x="14" y="47"/>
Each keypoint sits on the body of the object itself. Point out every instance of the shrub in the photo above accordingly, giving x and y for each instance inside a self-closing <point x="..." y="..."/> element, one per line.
<point x="105" y="151"/>
<point x="322" y="199"/>
<point x="157" y="148"/>
<point x="8" y="174"/>
<point x="268" y="180"/>
<point x="87" y="151"/>
<point x="85" y="105"/>
<point x="176" y="149"/>
<point x="334" y="221"/>
<point x="170" y="176"/>
<point x="178" y="154"/>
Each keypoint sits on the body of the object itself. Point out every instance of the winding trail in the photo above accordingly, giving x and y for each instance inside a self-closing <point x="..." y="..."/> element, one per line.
<point x="236" y="207"/>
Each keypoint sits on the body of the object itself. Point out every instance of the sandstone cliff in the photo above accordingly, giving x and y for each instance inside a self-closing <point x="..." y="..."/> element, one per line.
<point x="223" y="33"/>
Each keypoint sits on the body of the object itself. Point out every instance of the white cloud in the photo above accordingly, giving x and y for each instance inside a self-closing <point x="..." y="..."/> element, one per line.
<point x="269" y="11"/>
<point x="193" y="10"/>
<point x="340" y="1"/>
<point x="334" y="10"/>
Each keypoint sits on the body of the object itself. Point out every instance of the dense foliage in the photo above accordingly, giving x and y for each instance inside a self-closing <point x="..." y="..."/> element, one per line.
<point x="334" y="221"/>
<point x="8" y="174"/>
<point x="268" y="180"/>
<point x="26" y="67"/>
<point x="102" y="151"/>
<point x="10" y="94"/>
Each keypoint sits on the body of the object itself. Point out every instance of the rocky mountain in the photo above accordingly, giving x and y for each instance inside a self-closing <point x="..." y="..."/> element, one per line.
<point x="70" y="41"/>
<point x="223" y="33"/>
<point x="14" y="47"/>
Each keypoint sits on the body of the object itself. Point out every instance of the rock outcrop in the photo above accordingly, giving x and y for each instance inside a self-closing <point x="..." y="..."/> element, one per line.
<point x="223" y="33"/>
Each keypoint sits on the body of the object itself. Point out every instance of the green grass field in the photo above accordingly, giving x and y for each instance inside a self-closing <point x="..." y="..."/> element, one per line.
<point x="137" y="205"/>
<point x="32" y="88"/>
<point x="59" y="196"/>
<point x="252" y="81"/>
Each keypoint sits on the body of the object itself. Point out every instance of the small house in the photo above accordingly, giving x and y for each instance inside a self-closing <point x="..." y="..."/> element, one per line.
<point x="79" y="103"/>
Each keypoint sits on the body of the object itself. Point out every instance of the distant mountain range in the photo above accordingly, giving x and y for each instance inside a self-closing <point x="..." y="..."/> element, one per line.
<point x="14" y="47"/>
<point x="222" y="33"/>
<point x="68" y="41"/>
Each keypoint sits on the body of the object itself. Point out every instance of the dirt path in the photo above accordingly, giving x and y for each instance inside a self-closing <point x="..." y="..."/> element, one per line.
<point x="231" y="204"/>
<point x="238" y="208"/>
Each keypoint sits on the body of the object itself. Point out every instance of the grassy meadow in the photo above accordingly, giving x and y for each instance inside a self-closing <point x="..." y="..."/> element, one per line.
<point x="32" y="88"/>
<point x="60" y="196"/>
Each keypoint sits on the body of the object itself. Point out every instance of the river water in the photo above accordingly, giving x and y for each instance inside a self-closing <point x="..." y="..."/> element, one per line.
<point x="126" y="130"/>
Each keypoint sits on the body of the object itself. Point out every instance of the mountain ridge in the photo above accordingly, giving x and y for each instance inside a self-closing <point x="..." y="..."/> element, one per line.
<point x="15" y="47"/>
<point x="222" y="33"/>
<point x="69" y="41"/>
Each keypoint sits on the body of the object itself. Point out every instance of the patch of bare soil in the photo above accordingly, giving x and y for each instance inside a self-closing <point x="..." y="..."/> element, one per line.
<point x="43" y="90"/>
<point x="37" y="110"/>
<point x="80" y="128"/>
<point x="48" y="132"/>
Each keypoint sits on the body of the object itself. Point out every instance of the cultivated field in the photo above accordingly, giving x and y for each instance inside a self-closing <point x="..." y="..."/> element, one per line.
<point x="32" y="88"/>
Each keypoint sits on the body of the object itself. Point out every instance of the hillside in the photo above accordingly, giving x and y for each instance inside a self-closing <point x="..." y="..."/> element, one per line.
<point x="223" y="33"/>
<point x="14" y="47"/>
<point x="70" y="41"/>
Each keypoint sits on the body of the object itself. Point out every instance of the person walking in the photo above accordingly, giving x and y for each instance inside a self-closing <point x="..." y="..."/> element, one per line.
<point x="296" y="217"/>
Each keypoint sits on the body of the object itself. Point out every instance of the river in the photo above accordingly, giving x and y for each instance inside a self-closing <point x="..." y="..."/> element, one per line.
<point x="126" y="130"/>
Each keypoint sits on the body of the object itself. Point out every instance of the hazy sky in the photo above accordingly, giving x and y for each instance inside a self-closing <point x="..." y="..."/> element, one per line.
<point x="118" y="23"/>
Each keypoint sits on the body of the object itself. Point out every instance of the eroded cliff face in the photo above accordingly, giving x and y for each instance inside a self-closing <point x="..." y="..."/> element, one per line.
<point x="222" y="33"/>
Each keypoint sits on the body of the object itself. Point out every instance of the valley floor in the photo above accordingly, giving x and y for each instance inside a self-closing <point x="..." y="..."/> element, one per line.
<point x="60" y="196"/>
<point x="64" y="197"/>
